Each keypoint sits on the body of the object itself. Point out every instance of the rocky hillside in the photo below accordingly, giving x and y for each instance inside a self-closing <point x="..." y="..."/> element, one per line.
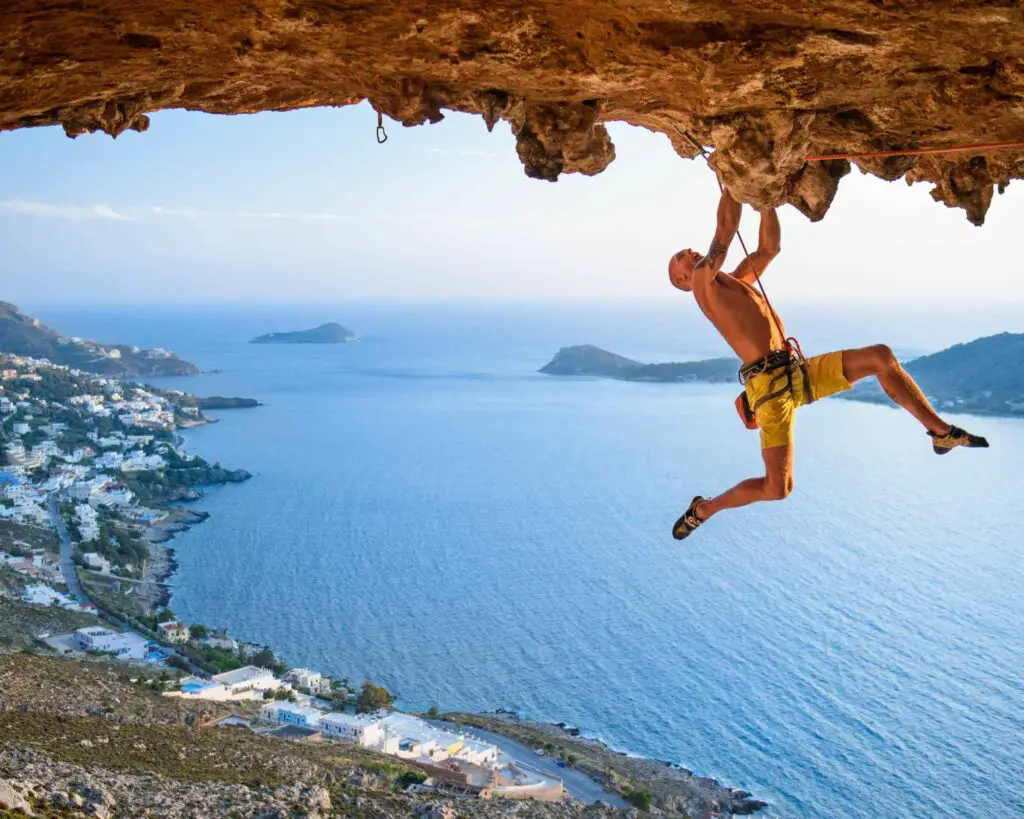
<point x="984" y="376"/>
<point x="23" y="335"/>
<point x="83" y="739"/>
<point x="765" y="84"/>
<point x="586" y="359"/>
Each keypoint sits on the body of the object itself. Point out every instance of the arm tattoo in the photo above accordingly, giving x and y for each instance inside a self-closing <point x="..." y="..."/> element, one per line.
<point x="716" y="255"/>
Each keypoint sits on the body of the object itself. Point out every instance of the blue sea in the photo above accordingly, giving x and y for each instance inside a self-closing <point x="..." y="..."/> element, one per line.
<point x="429" y="512"/>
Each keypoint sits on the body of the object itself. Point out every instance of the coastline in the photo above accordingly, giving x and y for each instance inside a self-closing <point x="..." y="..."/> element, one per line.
<point x="670" y="786"/>
<point x="162" y="563"/>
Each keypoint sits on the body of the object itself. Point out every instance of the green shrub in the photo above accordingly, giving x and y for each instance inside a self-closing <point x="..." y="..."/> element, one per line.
<point x="638" y="799"/>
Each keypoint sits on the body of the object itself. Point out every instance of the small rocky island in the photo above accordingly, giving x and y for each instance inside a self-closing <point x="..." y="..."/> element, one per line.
<point x="220" y="402"/>
<point x="585" y="359"/>
<point x="330" y="333"/>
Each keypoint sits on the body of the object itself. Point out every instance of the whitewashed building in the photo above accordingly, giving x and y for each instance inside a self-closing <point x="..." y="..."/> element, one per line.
<point x="288" y="713"/>
<point x="138" y="461"/>
<point x="310" y="680"/>
<point x="127" y="646"/>
<point x="173" y="631"/>
<point x="88" y="523"/>
<point x="247" y="678"/>
<point x="97" y="562"/>
<point x="362" y="729"/>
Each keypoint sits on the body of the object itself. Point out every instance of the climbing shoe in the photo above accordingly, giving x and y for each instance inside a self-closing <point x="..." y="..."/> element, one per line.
<point x="689" y="521"/>
<point x="954" y="438"/>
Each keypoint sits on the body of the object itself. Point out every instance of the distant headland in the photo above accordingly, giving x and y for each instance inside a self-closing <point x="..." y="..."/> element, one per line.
<point x="20" y="334"/>
<point x="585" y="359"/>
<point x="984" y="376"/>
<point x="330" y="333"/>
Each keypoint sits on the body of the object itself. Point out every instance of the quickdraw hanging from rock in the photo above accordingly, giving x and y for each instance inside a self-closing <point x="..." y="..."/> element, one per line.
<point x="382" y="135"/>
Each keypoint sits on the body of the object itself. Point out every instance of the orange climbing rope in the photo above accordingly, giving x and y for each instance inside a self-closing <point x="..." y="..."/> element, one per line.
<point x="980" y="147"/>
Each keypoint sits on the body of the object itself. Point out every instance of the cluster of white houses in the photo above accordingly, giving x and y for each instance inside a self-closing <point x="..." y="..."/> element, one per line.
<point x="392" y="733"/>
<point x="75" y="468"/>
<point x="451" y="760"/>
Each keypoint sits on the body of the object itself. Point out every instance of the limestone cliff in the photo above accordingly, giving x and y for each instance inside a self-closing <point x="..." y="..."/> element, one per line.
<point x="763" y="82"/>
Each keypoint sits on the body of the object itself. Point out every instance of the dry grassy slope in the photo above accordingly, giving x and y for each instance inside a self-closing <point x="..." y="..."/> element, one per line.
<point x="765" y="82"/>
<point x="20" y="623"/>
<point x="84" y="732"/>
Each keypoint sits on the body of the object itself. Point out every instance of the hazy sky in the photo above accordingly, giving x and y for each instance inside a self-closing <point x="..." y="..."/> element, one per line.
<point x="307" y="205"/>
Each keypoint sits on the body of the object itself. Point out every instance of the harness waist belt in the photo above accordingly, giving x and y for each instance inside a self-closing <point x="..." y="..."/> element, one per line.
<point x="773" y="361"/>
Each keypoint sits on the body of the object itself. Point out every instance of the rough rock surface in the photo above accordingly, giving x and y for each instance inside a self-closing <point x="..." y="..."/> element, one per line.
<point x="764" y="82"/>
<point x="82" y="740"/>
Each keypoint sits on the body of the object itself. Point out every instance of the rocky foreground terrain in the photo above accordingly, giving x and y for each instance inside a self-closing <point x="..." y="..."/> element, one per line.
<point x="84" y="740"/>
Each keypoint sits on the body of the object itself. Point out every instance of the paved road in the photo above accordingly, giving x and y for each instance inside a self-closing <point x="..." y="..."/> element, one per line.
<point x="76" y="590"/>
<point x="578" y="784"/>
<point x="66" y="564"/>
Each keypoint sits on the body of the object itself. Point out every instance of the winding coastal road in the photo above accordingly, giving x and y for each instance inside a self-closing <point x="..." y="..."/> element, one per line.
<point x="66" y="564"/>
<point x="75" y="588"/>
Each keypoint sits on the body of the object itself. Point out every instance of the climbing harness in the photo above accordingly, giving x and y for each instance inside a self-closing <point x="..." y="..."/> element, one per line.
<point x="983" y="146"/>
<point x="789" y="356"/>
<point x="382" y="135"/>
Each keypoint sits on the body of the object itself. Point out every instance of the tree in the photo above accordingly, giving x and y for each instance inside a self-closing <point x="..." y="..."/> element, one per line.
<point x="198" y="631"/>
<point x="638" y="799"/>
<point x="178" y="662"/>
<point x="264" y="658"/>
<point x="372" y="697"/>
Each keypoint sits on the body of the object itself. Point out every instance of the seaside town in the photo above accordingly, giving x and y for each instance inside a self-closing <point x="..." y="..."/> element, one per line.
<point x="94" y="479"/>
<point x="88" y="468"/>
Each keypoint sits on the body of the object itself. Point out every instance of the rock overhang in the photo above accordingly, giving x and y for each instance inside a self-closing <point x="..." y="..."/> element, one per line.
<point x="761" y="83"/>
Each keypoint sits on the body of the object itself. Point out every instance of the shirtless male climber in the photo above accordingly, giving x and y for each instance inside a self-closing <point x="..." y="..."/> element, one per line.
<point x="775" y="376"/>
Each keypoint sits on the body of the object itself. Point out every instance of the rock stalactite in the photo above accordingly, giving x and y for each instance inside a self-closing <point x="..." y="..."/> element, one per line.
<point x="762" y="83"/>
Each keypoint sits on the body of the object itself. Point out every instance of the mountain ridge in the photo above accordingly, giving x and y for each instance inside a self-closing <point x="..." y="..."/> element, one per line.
<point x="22" y="334"/>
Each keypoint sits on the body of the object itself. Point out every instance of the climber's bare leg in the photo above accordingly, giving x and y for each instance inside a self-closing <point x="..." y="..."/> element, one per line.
<point x="880" y="362"/>
<point x="776" y="484"/>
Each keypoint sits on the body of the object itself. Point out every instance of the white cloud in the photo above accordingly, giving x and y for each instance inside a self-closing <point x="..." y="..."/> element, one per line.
<point x="298" y="217"/>
<point x="74" y="213"/>
<point x="198" y="213"/>
<point x="186" y="213"/>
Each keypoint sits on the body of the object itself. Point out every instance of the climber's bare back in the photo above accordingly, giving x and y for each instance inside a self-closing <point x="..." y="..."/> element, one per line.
<point x="740" y="315"/>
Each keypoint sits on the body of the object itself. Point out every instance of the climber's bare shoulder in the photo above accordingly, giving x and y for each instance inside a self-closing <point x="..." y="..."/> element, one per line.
<point x="739" y="314"/>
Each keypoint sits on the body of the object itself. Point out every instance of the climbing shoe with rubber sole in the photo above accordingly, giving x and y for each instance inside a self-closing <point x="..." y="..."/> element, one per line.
<point x="689" y="521"/>
<point x="954" y="438"/>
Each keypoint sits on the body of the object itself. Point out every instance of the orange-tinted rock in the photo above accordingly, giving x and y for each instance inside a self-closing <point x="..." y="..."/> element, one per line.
<point x="763" y="82"/>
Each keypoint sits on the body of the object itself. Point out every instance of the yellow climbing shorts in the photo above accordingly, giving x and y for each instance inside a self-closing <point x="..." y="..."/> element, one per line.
<point x="773" y="399"/>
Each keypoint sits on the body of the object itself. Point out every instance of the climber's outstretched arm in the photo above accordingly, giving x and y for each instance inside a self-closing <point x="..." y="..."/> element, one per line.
<point x="769" y="243"/>
<point x="728" y="223"/>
